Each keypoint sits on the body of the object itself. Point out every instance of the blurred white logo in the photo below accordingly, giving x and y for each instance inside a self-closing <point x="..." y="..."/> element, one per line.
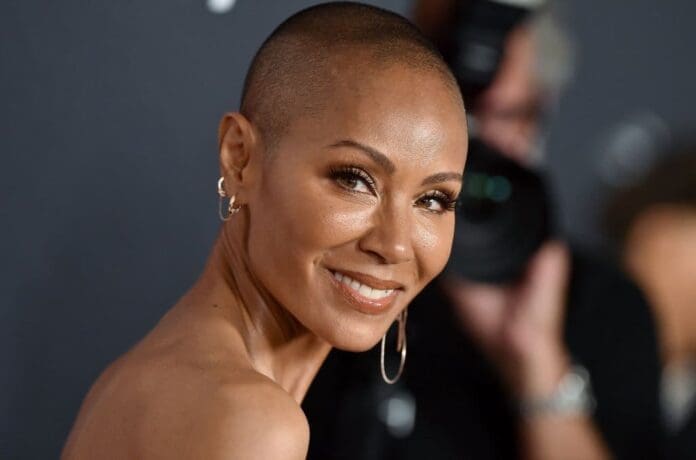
<point x="630" y="147"/>
<point x="398" y="412"/>
<point x="220" y="6"/>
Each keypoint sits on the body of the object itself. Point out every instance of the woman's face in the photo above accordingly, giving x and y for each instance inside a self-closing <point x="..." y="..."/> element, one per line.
<point x="353" y="214"/>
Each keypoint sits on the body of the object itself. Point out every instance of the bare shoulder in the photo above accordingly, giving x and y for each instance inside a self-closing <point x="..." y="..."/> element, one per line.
<point x="168" y="405"/>
<point x="252" y="418"/>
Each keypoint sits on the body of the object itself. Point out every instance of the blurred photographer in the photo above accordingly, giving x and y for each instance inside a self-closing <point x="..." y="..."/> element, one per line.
<point x="513" y="61"/>
<point x="652" y="223"/>
<point x="524" y="348"/>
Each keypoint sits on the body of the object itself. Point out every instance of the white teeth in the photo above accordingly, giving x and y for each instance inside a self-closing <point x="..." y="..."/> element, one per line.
<point x="363" y="289"/>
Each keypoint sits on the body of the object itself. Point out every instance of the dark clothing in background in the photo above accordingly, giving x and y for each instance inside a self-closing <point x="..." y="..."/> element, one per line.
<point x="682" y="444"/>
<point x="461" y="409"/>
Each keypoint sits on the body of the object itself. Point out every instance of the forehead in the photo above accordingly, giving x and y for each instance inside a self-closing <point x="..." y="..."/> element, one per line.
<point x="408" y="114"/>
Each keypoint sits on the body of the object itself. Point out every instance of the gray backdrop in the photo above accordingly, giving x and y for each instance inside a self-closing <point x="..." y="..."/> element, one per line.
<point x="108" y="116"/>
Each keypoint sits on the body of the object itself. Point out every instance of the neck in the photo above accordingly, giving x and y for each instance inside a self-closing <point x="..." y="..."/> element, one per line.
<point x="273" y="342"/>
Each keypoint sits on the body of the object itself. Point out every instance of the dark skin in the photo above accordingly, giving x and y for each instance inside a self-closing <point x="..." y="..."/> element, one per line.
<point x="364" y="188"/>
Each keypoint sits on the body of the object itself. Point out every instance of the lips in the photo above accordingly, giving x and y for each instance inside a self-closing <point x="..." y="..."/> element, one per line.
<point x="367" y="294"/>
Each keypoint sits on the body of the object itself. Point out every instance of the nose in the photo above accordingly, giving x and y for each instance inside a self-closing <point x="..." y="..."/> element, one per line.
<point x="389" y="237"/>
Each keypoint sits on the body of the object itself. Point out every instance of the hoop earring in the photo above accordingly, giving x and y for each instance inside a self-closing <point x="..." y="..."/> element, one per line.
<point x="231" y="208"/>
<point x="400" y="346"/>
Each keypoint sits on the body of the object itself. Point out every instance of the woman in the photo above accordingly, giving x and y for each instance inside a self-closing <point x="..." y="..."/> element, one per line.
<point x="341" y="170"/>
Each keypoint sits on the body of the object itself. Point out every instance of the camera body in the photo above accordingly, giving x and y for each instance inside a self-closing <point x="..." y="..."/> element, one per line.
<point x="504" y="214"/>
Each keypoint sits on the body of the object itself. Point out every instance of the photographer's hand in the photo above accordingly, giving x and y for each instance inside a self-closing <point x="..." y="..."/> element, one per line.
<point x="520" y="328"/>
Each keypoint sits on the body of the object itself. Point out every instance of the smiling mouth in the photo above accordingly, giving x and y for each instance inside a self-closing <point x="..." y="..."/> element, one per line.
<point x="369" y="295"/>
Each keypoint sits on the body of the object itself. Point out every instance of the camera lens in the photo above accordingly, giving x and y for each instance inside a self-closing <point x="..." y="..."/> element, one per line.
<point x="503" y="217"/>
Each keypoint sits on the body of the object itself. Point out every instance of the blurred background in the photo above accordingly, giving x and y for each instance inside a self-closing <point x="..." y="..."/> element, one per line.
<point x="108" y="116"/>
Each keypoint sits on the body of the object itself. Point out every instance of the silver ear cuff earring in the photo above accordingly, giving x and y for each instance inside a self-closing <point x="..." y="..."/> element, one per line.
<point x="231" y="208"/>
<point x="400" y="347"/>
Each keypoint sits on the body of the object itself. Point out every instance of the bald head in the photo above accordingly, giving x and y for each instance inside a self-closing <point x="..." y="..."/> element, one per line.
<point x="297" y="69"/>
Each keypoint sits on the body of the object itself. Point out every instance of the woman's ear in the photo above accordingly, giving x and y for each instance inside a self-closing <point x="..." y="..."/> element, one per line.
<point x="238" y="144"/>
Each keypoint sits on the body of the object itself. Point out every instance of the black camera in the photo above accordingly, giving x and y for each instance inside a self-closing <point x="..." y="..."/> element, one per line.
<point x="503" y="217"/>
<point x="476" y="43"/>
<point x="504" y="214"/>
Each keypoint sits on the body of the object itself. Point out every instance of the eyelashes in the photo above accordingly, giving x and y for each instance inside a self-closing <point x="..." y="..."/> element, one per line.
<point x="355" y="179"/>
<point x="446" y="200"/>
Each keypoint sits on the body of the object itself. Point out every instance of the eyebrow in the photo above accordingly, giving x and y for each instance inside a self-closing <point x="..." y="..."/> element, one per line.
<point x="382" y="160"/>
<point x="442" y="177"/>
<point x="376" y="156"/>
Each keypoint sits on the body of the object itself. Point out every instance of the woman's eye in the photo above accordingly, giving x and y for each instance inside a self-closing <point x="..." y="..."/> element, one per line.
<point x="354" y="179"/>
<point x="438" y="203"/>
<point x="354" y="183"/>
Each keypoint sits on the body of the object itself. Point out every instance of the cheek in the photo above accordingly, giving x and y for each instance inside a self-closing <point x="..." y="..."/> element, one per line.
<point x="433" y="243"/>
<point x="295" y="226"/>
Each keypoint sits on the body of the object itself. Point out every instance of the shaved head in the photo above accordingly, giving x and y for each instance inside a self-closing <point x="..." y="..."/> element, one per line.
<point x="298" y="68"/>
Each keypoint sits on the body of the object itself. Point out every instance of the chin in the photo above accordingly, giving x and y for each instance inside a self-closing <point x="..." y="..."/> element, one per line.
<point x="356" y="347"/>
<point x="354" y="340"/>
